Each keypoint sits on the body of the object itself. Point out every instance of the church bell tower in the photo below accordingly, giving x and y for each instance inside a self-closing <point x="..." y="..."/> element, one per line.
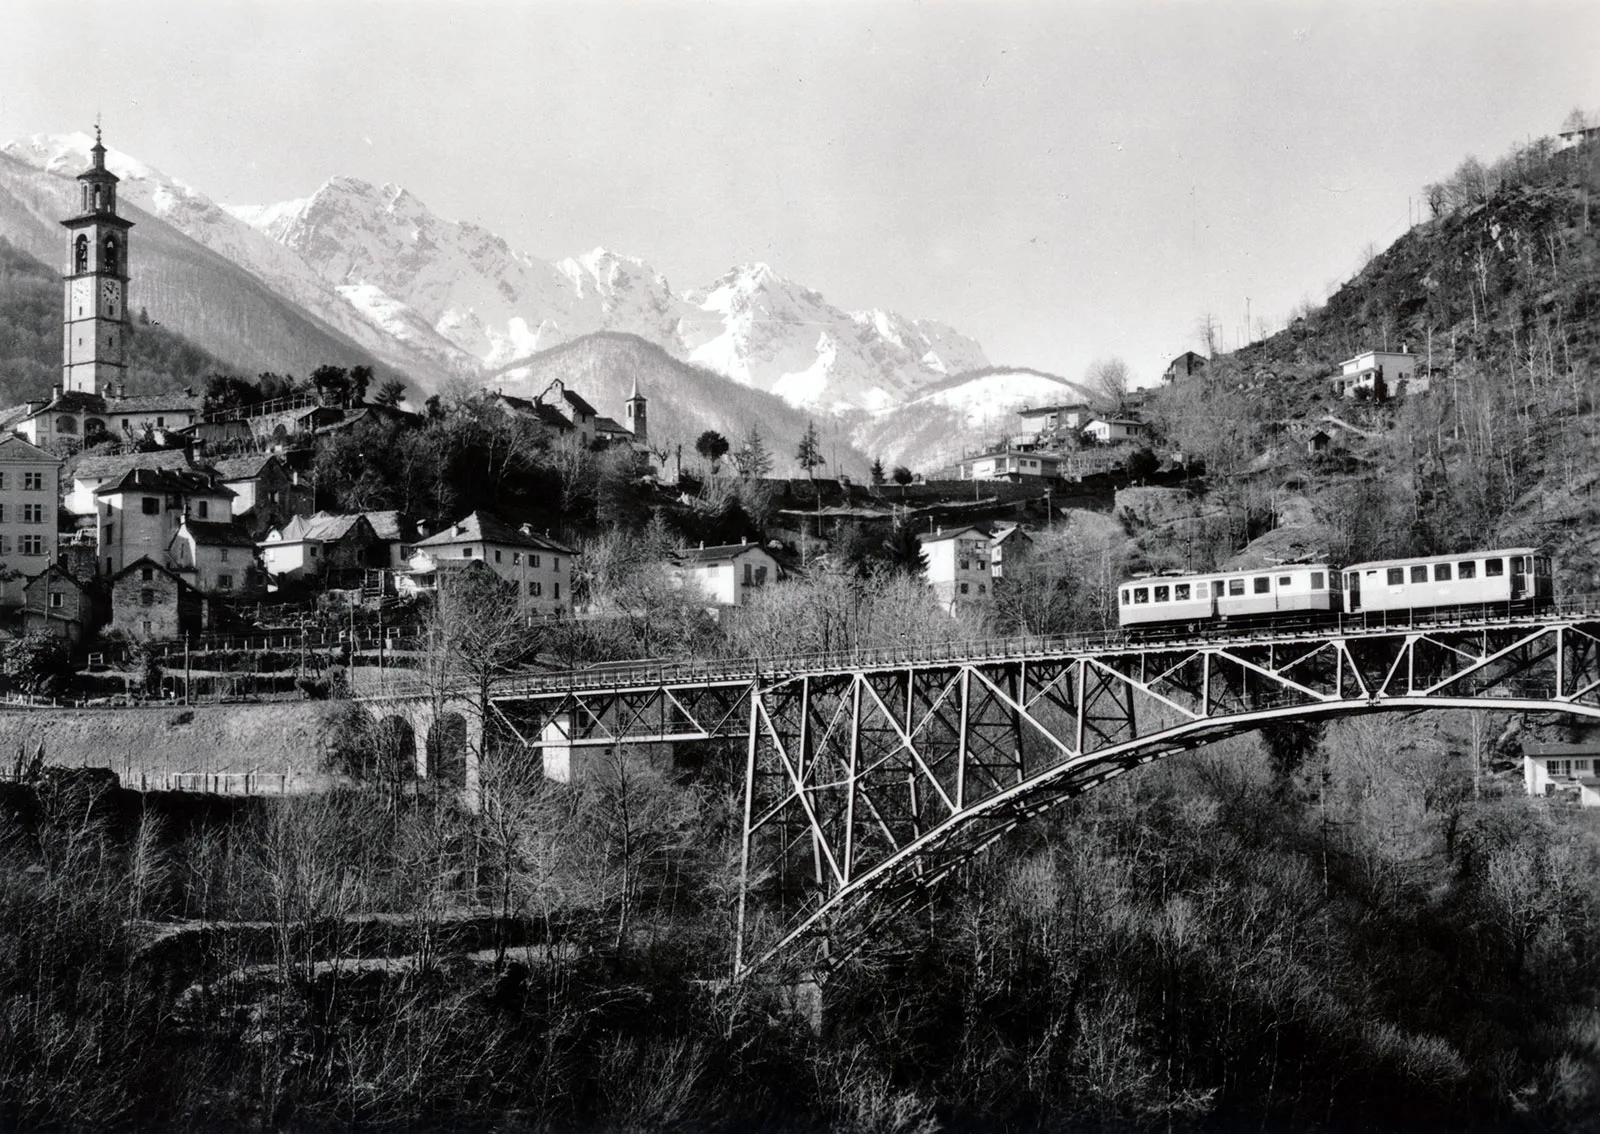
<point x="94" y="358"/>
<point x="638" y="421"/>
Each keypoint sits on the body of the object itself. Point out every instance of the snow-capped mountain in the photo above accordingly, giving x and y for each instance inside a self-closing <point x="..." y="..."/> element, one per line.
<point x="501" y="305"/>
<point x="963" y="412"/>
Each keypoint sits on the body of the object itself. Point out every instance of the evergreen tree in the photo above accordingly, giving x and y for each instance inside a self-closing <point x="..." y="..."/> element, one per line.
<point x="877" y="471"/>
<point x="809" y="453"/>
<point x="753" y="459"/>
<point x="904" y="553"/>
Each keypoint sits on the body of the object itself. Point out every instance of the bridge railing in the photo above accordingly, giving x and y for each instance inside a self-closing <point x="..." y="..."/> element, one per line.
<point x="719" y="670"/>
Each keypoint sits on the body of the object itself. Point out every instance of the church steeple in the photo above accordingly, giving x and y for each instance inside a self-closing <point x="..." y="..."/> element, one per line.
<point x="96" y="283"/>
<point x="634" y="408"/>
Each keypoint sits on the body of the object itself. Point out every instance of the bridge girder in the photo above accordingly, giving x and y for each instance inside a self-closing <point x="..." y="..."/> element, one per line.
<point x="866" y="784"/>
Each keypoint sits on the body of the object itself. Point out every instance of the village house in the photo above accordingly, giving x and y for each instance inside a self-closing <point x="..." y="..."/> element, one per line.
<point x="217" y="558"/>
<point x="336" y="549"/>
<point x="140" y="511"/>
<point x="726" y="574"/>
<point x="266" y="494"/>
<point x="1186" y="365"/>
<point x="150" y="602"/>
<point x="1382" y="374"/>
<point x="960" y="568"/>
<point x="56" y="603"/>
<point x="1010" y="543"/>
<point x="539" y="567"/>
<point x="1067" y="419"/>
<point x="398" y="534"/>
<point x="1563" y="769"/>
<point x="88" y="472"/>
<point x="1009" y="464"/>
<point x="29" y="483"/>
<point x="1115" y="430"/>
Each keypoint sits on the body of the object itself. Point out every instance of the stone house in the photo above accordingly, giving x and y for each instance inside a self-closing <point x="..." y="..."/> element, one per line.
<point x="56" y="603"/>
<point x="151" y="603"/>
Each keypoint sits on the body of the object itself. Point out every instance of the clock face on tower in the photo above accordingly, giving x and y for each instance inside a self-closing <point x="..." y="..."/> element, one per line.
<point x="111" y="297"/>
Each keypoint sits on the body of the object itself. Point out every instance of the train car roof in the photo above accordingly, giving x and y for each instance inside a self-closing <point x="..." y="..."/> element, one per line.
<point x="1453" y="557"/>
<point x="1278" y="570"/>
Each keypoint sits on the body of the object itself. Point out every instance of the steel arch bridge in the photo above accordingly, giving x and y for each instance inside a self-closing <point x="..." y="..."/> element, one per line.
<point x="869" y="777"/>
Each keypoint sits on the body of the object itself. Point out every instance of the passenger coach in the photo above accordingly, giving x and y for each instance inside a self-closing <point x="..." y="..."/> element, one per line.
<point x="1515" y="578"/>
<point x="1309" y="590"/>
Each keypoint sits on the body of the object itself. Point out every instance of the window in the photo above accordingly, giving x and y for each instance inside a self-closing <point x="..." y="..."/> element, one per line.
<point x="2" y="513"/>
<point x="1216" y="589"/>
<point x="466" y="553"/>
<point x="1141" y="595"/>
<point x="1397" y="576"/>
<point x="33" y="481"/>
<point x="1441" y="572"/>
<point x="964" y="565"/>
<point x="1235" y="587"/>
<point x="1263" y="584"/>
<point x="1180" y="592"/>
<point x="749" y="574"/>
<point x="557" y="589"/>
<point x="1285" y="580"/>
<point x="108" y="503"/>
<point x="1558" y="767"/>
<point x="1419" y="574"/>
<point x="1580" y="767"/>
<point x="3" y="485"/>
<point x="533" y="560"/>
<point x="33" y="513"/>
<point x="1316" y="580"/>
<point x="57" y="600"/>
<point x="146" y="625"/>
<point x="1163" y="594"/>
<point x="224" y="582"/>
<point x="497" y="555"/>
<point x="150" y="505"/>
<point x="225" y="552"/>
<point x="516" y="559"/>
<point x="1493" y="568"/>
<point x="147" y="574"/>
<point x="147" y="597"/>
<point x="313" y="550"/>
<point x="205" y="508"/>
<point x="1467" y="570"/>
<point x="535" y="588"/>
<point x="32" y="545"/>
<point x="555" y="563"/>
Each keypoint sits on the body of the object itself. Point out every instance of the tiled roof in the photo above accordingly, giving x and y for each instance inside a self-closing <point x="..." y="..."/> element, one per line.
<point x="210" y="533"/>
<point x="721" y="551"/>
<point x="1554" y="749"/>
<point x="177" y="401"/>
<point x="577" y="402"/>
<point x="244" y="468"/>
<point x="178" y="481"/>
<point x="324" y="527"/>
<point x="15" y="448"/>
<point x="611" y="425"/>
<point x="486" y="527"/>
<point x="104" y="467"/>
<point x="394" y="527"/>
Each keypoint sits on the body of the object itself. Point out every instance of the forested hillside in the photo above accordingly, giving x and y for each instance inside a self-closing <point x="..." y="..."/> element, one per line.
<point x="1500" y="293"/>
<point x="30" y="339"/>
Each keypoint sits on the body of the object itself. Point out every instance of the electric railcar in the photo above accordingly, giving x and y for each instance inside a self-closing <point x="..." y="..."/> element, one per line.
<point x="1505" y="581"/>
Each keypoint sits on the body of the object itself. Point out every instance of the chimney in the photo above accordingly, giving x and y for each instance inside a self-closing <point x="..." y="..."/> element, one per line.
<point x="702" y="545"/>
<point x="743" y="541"/>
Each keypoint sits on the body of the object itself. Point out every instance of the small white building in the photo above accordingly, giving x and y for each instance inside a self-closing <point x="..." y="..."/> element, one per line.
<point x="1111" y="430"/>
<point x="1558" y="769"/>
<point x="1383" y="374"/>
<point x="960" y="568"/>
<point x="29" y="479"/>
<point x="1010" y="543"/>
<point x="1068" y="417"/>
<point x="726" y="573"/>
<point x="1012" y="465"/>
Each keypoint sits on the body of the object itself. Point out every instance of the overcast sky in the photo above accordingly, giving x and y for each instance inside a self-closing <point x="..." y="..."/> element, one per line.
<point x="1062" y="181"/>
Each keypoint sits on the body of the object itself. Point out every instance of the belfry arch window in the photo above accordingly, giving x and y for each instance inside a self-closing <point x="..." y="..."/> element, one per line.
<point x="108" y="258"/>
<point x="80" y="254"/>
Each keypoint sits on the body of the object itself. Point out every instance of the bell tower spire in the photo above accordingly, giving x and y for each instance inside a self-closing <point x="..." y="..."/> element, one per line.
<point x="94" y="354"/>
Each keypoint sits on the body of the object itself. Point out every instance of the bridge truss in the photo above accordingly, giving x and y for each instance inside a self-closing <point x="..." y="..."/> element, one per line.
<point x="868" y="779"/>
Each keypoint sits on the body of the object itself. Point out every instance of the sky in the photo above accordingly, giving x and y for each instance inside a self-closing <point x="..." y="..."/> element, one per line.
<point x="1063" y="181"/>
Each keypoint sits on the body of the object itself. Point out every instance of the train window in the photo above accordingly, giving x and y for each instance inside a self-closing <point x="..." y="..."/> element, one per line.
<point x="1141" y="594"/>
<point x="1466" y="569"/>
<point x="1162" y="593"/>
<point x="1397" y="576"/>
<point x="1419" y="574"/>
<point x="1493" y="567"/>
<point x="1441" y="572"/>
<point x="1216" y="588"/>
<point x="1334" y="582"/>
<point x="1236" y="586"/>
<point x="1542" y="566"/>
<point x="1124" y="596"/>
<point x="1180" y="592"/>
<point x="1283" y="580"/>
<point x="1263" y="584"/>
<point x="1316" y="580"/>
